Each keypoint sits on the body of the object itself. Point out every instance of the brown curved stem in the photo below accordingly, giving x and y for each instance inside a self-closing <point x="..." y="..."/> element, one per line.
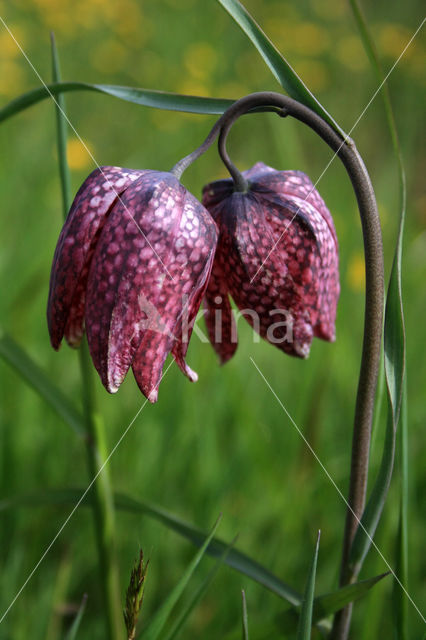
<point x="374" y="302"/>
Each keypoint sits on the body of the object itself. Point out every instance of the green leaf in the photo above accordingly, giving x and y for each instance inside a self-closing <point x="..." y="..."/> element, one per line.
<point x="144" y="97"/>
<point x="235" y="559"/>
<point x="394" y="331"/>
<point x="196" y="597"/>
<point x="327" y="604"/>
<point x="400" y="599"/>
<point x="14" y="355"/>
<point x="305" y="620"/>
<point x="281" y="69"/>
<point x="61" y="138"/>
<point x="160" y="618"/>
<point x="72" y="633"/>
<point x="245" y="616"/>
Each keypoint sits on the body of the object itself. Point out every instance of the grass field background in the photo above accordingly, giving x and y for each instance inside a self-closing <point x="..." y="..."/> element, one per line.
<point x="223" y="445"/>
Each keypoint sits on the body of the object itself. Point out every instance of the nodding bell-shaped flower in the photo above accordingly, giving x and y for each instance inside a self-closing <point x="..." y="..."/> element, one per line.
<point x="131" y="267"/>
<point x="277" y="257"/>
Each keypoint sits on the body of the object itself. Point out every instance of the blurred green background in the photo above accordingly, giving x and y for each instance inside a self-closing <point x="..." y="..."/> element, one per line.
<point x="223" y="444"/>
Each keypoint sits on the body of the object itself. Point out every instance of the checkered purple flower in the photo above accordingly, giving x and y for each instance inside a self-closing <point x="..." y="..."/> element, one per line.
<point x="277" y="257"/>
<point x="133" y="259"/>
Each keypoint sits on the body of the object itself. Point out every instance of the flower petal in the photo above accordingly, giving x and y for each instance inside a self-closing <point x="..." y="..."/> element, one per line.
<point x="220" y="321"/>
<point x="200" y="234"/>
<point x="150" y="257"/>
<point x="304" y="228"/>
<point x="75" y="248"/>
<point x="278" y="253"/>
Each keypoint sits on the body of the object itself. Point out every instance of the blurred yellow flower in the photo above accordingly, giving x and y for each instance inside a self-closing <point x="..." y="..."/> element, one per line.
<point x="356" y="273"/>
<point x="233" y="90"/>
<point x="8" y="47"/>
<point x="305" y="38"/>
<point x="192" y="88"/>
<point x="392" y="40"/>
<point x="314" y="74"/>
<point x="350" y="52"/>
<point x="12" y="78"/>
<point x="78" y="154"/>
<point x="329" y="9"/>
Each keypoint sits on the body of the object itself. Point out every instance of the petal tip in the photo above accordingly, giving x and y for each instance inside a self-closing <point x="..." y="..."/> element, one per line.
<point x="152" y="396"/>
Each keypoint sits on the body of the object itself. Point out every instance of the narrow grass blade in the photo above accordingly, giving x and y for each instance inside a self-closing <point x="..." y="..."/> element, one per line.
<point x="144" y="97"/>
<point x="161" y="616"/>
<point x="305" y="620"/>
<point x="198" y="594"/>
<point x="400" y="600"/>
<point x="61" y="138"/>
<point x="245" y="616"/>
<point x="235" y="559"/>
<point x="394" y="332"/>
<point x="328" y="603"/>
<point x="72" y="633"/>
<point x="281" y="69"/>
<point x="16" y="357"/>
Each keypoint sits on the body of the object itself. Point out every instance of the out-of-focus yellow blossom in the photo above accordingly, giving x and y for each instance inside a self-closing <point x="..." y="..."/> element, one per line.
<point x="200" y="60"/>
<point x="192" y="88"/>
<point x="350" y="52"/>
<point x="356" y="273"/>
<point x="314" y="74"/>
<point x="8" y="47"/>
<point x="109" y="57"/>
<point x="78" y="154"/>
<point x="305" y="38"/>
<point x="329" y="9"/>
<point x="12" y="78"/>
<point x="392" y="40"/>
<point x="233" y="90"/>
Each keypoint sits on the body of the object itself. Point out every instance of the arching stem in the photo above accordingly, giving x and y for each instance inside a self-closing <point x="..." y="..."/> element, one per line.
<point x="345" y="149"/>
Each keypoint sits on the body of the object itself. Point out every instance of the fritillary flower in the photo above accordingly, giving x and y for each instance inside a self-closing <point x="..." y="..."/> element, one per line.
<point x="131" y="267"/>
<point x="277" y="257"/>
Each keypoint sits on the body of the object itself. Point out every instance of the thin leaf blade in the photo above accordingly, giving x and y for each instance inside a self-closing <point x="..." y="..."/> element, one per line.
<point x="160" y="618"/>
<point x="394" y="329"/>
<point x="305" y="620"/>
<point x="198" y="594"/>
<point x="33" y="374"/>
<point x="144" y="97"/>
<point x="73" y="630"/>
<point x="327" y="604"/>
<point x="399" y="595"/>
<point x="280" y="68"/>
<point x="235" y="559"/>
<point x="245" y="635"/>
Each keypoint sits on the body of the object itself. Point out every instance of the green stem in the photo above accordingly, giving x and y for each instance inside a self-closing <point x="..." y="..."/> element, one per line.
<point x="103" y="507"/>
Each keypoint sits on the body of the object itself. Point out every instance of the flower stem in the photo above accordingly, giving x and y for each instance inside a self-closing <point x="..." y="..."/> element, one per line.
<point x="103" y="508"/>
<point x="345" y="149"/>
